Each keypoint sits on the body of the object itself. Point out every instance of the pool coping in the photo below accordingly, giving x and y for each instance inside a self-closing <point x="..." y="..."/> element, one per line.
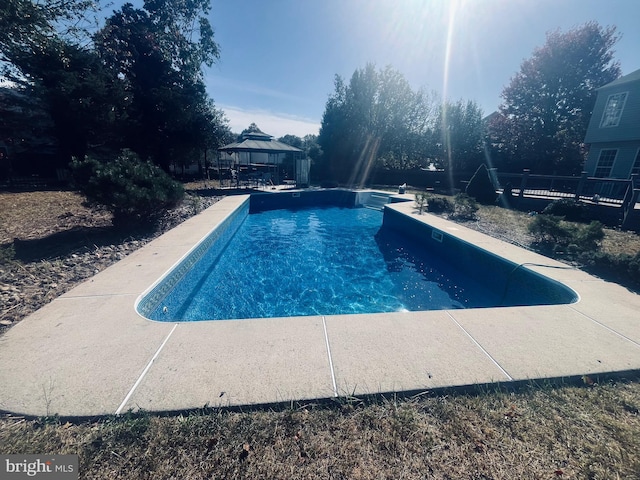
<point x="88" y="352"/>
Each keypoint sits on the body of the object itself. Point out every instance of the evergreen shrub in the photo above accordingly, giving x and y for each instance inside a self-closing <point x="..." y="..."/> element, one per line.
<point x="481" y="187"/>
<point x="440" y="205"/>
<point x="464" y="207"/>
<point x="566" y="237"/>
<point x="548" y="228"/>
<point x="620" y="268"/>
<point x="568" y="208"/>
<point x="135" y="191"/>
<point x="589" y="237"/>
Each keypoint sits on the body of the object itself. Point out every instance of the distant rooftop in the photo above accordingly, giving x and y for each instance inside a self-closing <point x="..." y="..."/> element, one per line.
<point x="256" y="136"/>
<point x="258" y="142"/>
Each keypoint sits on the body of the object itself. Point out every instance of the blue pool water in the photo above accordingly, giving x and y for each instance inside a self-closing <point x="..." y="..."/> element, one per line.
<point x="320" y="261"/>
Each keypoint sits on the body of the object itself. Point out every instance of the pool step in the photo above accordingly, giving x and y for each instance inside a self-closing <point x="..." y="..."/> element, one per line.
<point x="376" y="201"/>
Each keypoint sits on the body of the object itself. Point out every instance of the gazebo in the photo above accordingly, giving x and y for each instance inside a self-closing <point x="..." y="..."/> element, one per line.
<point x="258" y="158"/>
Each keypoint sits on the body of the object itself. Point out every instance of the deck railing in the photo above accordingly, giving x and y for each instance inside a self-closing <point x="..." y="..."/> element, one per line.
<point x="598" y="190"/>
<point x="612" y="192"/>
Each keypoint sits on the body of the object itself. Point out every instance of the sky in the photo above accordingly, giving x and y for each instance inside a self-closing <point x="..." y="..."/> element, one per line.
<point x="279" y="58"/>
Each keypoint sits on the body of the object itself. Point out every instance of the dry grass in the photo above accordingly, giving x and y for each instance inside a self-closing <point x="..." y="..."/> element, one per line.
<point x="28" y="215"/>
<point x="589" y="431"/>
<point x="511" y="225"/>
<point x="50" y="241"/>
<point x="508" y="225"/>
<point x="619" y="242"/>
<point x="541" y="432"/>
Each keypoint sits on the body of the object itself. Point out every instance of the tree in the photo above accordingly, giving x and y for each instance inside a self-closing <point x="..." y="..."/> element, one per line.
<point x="42" y="49"/>
<point x="27" y="26"/>
<point x="547" y="105"/>
<point x="292" y="140"/>
<point x="311" y="147"/>
<point x="136" y="83"/>
<point x="24" y="122"/>
<point x="404" y="119"/>
<point x="333" y="135"/>
<point x="375" y="120"/>
<point x="158" y="53"/>
<point x="460" y="133"/>
<point x="83" y="100"/>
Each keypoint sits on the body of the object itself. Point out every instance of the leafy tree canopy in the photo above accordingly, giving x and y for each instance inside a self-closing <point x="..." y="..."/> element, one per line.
<point x="158" y="53"/>
<point x="292" y="140"/>
<point x="136" y="83"/>
<point x="460" y="128"/>
<point x="547" y="105"/>
<point x="24" y="122"/>
<point x="27" y="26"/>
<point x="376" y="119"/>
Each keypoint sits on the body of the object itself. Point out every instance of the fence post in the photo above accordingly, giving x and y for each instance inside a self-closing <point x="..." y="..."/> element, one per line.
<point x="581" y="182"/>
<point x="627" y="196"/>
<point x="630" y="199"/>
<point x="523" y="182"/>
<point x="629" y="211"/>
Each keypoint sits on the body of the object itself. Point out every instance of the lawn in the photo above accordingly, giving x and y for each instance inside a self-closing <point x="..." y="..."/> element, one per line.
<point x="538" y="431"/>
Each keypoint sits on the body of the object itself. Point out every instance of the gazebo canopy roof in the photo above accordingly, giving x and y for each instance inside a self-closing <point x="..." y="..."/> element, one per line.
<point x="258" y="142"/>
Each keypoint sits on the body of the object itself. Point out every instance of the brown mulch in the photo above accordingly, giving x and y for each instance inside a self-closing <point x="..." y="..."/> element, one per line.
<point x="51" y="241"/>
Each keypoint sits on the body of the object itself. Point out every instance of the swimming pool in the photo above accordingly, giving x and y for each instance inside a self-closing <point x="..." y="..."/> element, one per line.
<point x="335" y="259"/>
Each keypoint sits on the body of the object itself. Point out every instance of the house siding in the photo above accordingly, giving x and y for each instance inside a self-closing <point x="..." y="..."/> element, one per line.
<point x="625" y="157"/>
<point x="625" y="137"/>
<point x="628" y="128"/>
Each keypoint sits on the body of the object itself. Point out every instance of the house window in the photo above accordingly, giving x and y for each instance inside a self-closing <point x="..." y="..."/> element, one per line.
<point x="605" y="163"/>
<point x="636" y="165"/>
<point x="613" y="110"/>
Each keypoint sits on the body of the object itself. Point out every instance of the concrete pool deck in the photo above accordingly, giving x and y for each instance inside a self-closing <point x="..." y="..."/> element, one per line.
<point x="89" y="353"/>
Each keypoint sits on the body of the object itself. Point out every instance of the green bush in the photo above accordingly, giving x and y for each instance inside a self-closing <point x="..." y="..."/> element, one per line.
<point x="481" y="187"/>
<point x="549" y="229"/>
<point x="589" y="237"/>
<point x="464" y="207"/>
<point x="135" y="191"/>
<point x="440" y="205"/>
<point x="431" y="203"/>
<point x="622" y="268"/>
<point x="568" y="208"/>
<point x="566" y="237"/>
